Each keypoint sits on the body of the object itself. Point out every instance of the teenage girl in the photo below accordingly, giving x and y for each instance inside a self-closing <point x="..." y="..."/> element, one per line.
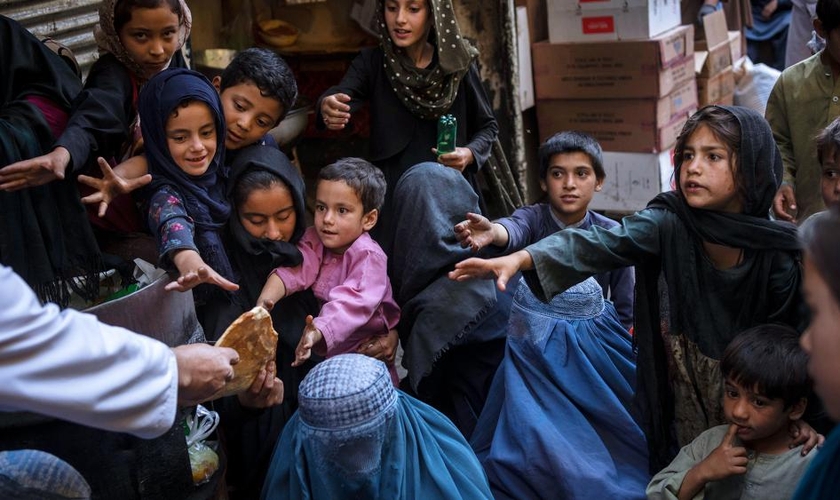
<point x="137" y="39"/>
<point x="422" y="69"/>
<point x="709" y="263"/>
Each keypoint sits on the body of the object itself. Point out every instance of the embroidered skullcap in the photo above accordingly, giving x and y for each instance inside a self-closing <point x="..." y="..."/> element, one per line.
<point x="346" y="391"/>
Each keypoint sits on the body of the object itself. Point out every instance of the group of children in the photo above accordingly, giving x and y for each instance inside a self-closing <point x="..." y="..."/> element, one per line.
<point x="689" y="272"/>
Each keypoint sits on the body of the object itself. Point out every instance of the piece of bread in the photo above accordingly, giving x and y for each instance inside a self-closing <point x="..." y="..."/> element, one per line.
<point x="252" y="335"/>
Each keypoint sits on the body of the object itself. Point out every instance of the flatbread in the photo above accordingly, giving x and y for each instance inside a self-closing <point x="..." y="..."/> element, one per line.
<point x="252" y="335"/>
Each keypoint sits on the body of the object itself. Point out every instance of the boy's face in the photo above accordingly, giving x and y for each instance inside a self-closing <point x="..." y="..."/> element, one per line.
<point x="249" y="115"/>
<point x="269" y="213"/>
<point x="822" y="339"/>
<point x="832" y="42"/>
<point x="191" y="137"/>
<point x="830" y="179"/>
<point x="570" y="183"/>
<point x="762" y="422"/>
<point x="339" y="215"/>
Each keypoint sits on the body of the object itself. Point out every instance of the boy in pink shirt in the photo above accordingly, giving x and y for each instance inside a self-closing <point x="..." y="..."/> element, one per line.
<point x="346" y="269"/>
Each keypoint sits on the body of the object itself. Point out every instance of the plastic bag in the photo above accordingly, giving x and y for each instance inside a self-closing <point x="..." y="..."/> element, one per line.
<point x="204" y="461"/>
<point x="753" y="84"/>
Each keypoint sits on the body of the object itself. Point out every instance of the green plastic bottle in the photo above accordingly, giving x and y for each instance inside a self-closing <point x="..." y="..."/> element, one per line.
<point x="447" y="131"/>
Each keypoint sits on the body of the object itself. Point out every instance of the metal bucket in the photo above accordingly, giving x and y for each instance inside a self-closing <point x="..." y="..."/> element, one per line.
<point x="166" y="316"/>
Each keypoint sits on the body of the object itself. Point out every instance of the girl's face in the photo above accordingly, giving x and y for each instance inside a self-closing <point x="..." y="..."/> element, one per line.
<point x="151" y="37"/>
<point x="269" y="213"/>
<point x="191" y="137"/>
<point x="408" y="22"/>
<point x="822" y="338"/>
<point x="340" y="217"/>
<point x="707" y="176"/>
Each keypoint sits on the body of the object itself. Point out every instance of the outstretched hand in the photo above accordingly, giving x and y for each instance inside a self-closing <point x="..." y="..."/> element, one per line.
<point x="311" y="336"/>
<point x="35" y="171"/>
<point x="109" y="186"/>
<point x="381" y="347"/>
<point x="336" y="111"/>
<point x="265" y="391"/>
<point x="476" y="232"/>
<point x="500" y="268"/>
<point x="204" y="274"/>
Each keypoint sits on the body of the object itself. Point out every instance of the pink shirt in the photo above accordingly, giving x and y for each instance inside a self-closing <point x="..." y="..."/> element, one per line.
<point x="353" y="289"/>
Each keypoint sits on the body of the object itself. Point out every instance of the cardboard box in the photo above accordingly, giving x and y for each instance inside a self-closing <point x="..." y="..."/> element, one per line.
<point x="633" y="179"/>
<point x="712" y="90"/>
<point x="713" y="52"/>
<point x="526" y="71"/>
<point x="629" y="69"/>
<point x="537" y="18"/>
<point x="598" y="20"/>
<point x="635" y="125"/>
<point x="736" y="45"/>
<point x="727" y="100"/>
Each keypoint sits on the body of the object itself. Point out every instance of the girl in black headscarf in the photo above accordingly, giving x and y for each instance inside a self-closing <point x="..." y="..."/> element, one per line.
<point x="709" y="263"/>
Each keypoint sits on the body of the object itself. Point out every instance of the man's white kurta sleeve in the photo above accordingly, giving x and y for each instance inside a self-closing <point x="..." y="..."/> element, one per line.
<point x="68" y="365"/>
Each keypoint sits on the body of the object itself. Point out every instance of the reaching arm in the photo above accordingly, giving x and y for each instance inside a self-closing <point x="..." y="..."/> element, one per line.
<point x="124" y="178"/>
<point x="68" y="365"/>
<point x="478" y="231"/>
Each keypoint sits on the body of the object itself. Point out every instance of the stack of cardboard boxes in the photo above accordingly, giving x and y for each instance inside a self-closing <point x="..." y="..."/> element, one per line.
<point x="622" y="71"/>
<point x="716" y="51"/>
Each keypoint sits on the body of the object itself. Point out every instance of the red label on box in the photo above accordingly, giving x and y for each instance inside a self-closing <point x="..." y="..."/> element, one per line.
<point x="600" y="24"/>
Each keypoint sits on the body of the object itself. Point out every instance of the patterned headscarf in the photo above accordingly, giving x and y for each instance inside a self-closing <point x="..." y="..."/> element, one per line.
<point x="108" y="40"/>
<point x="428" y="92"/>
<point x="203" y="195"/>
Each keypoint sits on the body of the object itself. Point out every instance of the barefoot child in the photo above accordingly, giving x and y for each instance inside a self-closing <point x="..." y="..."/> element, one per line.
<point x="345" y="268"/>
<point x="766" y="386"/>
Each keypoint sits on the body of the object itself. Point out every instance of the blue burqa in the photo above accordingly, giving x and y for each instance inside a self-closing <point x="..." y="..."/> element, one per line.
<point x="558" y="422"/>
<point x="356" y="436"/>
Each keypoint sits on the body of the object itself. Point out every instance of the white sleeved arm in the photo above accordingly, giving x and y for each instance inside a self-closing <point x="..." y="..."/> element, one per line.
<point x="68" y="365"/>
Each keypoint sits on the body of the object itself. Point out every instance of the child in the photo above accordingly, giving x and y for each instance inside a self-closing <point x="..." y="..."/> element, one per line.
<point x="821" y="287"/>
<point x="422" y="69"/>
<point x="181" y="118"/>
<point x="828" y="154"/>
<point x="800" y="106"/>
<point x="138" y="38"/>
<point x="571" y="170"/>
<point x="766" y="387"/>
<point x="257" y="89"/>
<point x="708" y="262"/>
<point x="345" y="268"/>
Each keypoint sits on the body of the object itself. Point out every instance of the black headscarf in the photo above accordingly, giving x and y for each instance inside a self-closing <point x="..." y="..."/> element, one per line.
<point x="759" y="172"/>
<point x="45" y="235"/>
<point x="203" y="195"/>
<point x="254" y="258"/>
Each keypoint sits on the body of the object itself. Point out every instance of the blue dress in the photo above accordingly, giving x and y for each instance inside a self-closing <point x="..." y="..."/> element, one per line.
<point x="558" y="422"/>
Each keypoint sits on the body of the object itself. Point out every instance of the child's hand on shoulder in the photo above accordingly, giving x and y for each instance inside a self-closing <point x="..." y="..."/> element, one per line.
<point x="310" y="338"/>
<point x="726" y="460"/>
<point x="801" y="433"/>
<point x="476" y="232"/>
